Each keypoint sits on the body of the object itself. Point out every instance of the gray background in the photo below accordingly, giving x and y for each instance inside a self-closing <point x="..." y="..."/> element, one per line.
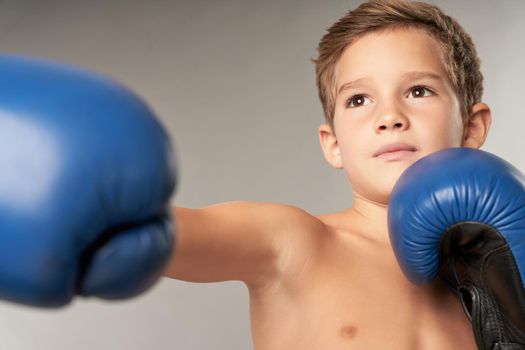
<point x="233" y="83"/>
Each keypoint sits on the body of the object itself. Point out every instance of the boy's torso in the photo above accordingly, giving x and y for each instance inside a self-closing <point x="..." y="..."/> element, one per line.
<point x="348" y="292"/>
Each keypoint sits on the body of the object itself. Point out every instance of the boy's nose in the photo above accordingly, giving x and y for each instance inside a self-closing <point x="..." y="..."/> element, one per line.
<point x="391" y="122"/>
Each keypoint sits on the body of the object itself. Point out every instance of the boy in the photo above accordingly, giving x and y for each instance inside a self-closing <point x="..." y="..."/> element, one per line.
<point x="397" y="81"/>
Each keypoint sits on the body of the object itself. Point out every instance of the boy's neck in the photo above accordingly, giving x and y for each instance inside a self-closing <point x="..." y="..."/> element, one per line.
<point x="371" y="215"/>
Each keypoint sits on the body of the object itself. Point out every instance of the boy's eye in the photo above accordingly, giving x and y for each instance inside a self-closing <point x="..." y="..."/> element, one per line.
<point x="356" y="101"/>
<point x="419" y="91"/>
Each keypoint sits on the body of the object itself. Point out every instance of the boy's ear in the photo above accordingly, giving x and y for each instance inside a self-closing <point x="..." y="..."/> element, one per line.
<point x="330" y="147"/>
<point x="477" y="128"/>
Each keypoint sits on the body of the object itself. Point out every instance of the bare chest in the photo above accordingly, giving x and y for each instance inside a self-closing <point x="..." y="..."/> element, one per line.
<point x="356" y="299"/>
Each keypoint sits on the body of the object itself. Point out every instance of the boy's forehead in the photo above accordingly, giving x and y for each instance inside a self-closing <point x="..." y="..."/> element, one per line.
<point x="394" y="54"/>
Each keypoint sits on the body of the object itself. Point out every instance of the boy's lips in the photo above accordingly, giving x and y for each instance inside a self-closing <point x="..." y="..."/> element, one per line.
<point x="392" y="148"/>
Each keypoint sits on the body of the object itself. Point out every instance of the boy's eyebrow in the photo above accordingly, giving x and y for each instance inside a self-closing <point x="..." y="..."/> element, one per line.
<point x="407" y="75"/>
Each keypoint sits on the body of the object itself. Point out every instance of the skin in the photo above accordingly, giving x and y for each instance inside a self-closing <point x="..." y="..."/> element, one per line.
<point x="332" y="281"/>
<point x="389" y="111"/>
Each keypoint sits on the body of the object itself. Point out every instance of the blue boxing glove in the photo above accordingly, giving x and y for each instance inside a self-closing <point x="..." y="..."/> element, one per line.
<point x="460" y="214"/>
<point x="86" y="174"/>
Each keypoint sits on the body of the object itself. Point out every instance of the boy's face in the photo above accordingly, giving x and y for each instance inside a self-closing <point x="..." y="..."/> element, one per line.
<point x="394" y="100"/>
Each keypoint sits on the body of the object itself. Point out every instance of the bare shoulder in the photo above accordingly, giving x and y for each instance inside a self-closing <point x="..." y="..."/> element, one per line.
<point x="318" y="239"/>
<point x="299" y="229"/>
<point x="304" y="236"/>
<point x="301" y="221"/>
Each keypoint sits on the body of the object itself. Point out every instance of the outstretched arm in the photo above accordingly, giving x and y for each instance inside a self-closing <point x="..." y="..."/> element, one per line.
<point x="252" y="242"/>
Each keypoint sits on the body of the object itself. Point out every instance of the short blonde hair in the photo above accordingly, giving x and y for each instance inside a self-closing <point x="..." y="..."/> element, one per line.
<point x="459" y="53"/>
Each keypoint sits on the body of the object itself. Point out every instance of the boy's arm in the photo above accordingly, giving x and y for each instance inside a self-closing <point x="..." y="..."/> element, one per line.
<point x="251" y="242"/>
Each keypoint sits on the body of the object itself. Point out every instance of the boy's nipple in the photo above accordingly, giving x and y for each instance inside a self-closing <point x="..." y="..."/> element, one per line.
<point x="348" y="331"/>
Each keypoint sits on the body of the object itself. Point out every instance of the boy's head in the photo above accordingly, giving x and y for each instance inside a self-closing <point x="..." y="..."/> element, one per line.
<point x="396" y="71"/>
<point x="459" y="53"/>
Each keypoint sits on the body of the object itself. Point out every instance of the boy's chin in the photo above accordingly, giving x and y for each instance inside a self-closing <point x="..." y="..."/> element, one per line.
<point x="379" y="188"/>
<point x="382" y="195"/>
<point x="379" y="197"/>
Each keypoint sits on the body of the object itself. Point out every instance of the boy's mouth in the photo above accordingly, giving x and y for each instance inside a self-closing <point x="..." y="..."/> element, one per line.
<point x="395" y="151"/>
